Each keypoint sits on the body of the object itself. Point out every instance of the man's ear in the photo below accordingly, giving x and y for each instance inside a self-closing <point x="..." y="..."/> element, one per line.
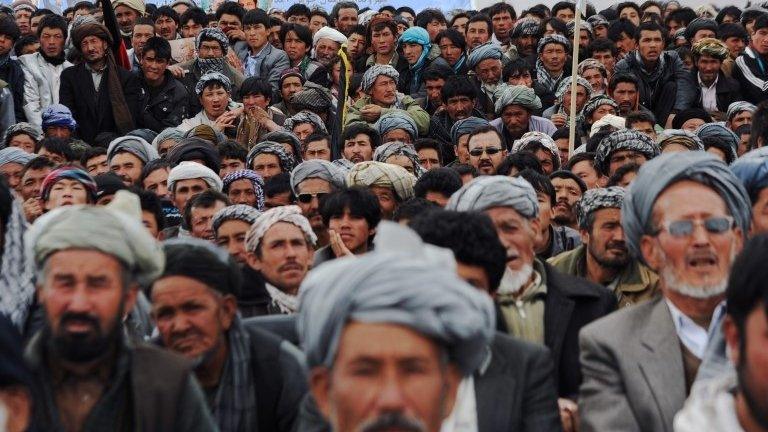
<point x="131" y="294"/>
<point x="651" y="251"/>
<point x="228" y="310"/>
<point x="253" y="261"/>
<point x="320" y="387"/>
<point x="584" y="236"/>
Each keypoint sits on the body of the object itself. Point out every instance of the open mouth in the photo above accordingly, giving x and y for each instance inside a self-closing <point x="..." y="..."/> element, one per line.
<point x="702" y="262"/>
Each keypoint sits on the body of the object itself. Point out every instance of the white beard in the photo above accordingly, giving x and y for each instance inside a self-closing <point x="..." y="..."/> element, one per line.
<point x="513" y="281"/>
<point x="704" y="291"/>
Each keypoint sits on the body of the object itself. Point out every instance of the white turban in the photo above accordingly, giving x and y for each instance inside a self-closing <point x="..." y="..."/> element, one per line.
<point x="487" y="192"/>
<point x="15" y="155"/>
<point x="317" y="168"/>
<point x="290" y="214"/>
<point x="329" y="33"/>
<point x="192" y="170"/>
<point x="133" y="145"/>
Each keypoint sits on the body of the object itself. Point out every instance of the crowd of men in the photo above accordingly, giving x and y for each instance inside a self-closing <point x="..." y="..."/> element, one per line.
<point x="371" y="220"/>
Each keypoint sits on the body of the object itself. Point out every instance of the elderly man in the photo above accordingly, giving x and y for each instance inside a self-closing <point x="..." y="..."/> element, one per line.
<point x="714" y="91"/>
<point x="685" y="216"/>
<point x="381" y="96"/>
<point x="525" y="36"/>
<point x="127" y="157"/>
<point x="127" y="12"/>
<point x="191" y="178"/>
<point x="91" y="263"/>
<point x="102" y="96"/>
<point x="624" y="147"/>
<point x="257" y="381"/>
<point x="326" y="43"/>
<point x="281" y="246"/>
<point x="244" y="187"/>
<point x="387" y="309"/>
<point x="391" y="184"/>
<point x="311" y="181"/>
<point x="12" y="162"/>
<point x="535" y="302"/>
<point x="460" y="136"/>
<point x="485" y="61"/>
<point x="603" y="257"/>
<point x="514" y="108"/>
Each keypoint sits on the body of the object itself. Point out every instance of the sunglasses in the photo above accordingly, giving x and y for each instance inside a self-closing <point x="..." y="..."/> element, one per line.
<point x="489" y="150"/>
<point x="684" y="228"/>
<point x="306" y="198"/>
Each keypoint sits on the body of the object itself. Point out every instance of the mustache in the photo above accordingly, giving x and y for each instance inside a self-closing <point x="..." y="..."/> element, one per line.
<point x="181" y="335"/>
<point x="618" y="244"/>
<point x="75" y="317"/>
<point x="391" y="421"/>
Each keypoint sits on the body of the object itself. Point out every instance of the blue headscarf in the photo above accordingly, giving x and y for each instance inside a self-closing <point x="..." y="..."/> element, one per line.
<point x="419" y="36"/>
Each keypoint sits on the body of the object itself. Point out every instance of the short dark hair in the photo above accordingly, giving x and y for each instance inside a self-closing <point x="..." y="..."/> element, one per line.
<point x="301" y="31"/>
<point x="39" y="162"/>
<point x="456" y="17"/>
<point x="458" y="85"/>
<point x="436" y="72"/>
<point x="481" y="17"/>
<point x="501" y="7"/>
<point x="153" y="166"/>
<point x="540" y="183"/>
<point x="24" y="41"/>
<point x="58" y="146"/>
<point x="166" y="11"/>
<point x="407" y="9"/>
<point x="256" y="17"/>
<point x="151" y="203"/>
<point x="619" y="174"/>
<point x="9" y="28"/>
<point x="728" y="10"/>
<point x="455" y="36"/>
<point x="761" y="22"/>
<point x="638" y="117"/>
<point x="314" y="137"/>
<point x="516" y="67"/>
<point x="471" y="236"/>
<point x="441" y="180"/>
<point x="298" y="9"/>
<point x="205" y="199"/>
<point x="580" y="157"/>
<point x="556" y="23"/>
<point x="412" y="208"/>
<point x="360" y="202"/>
<point x="231" y="8"/>
<point x="230" y="149"/>
<point x="358" y="128"/>
<point x="619" y="27"/>
<point x="488" y="129"/>
<point x="746" y="285"/>
<point x="750" y="15"/>
<point x="91" y="153"/>
<point x="342" y="5"/>
<point x="521" y="160"/>
<point x="600" y="45"/>
<point x="463" y="169"/>
<point x="563" y="5"/>
<point x="629" y="4"/>
<point x="255" y="85"/>
<point x="623" y="78"/>
<point x="278" y="184"/>
<point x="195" y="14"/>
<point x="321" y="13"/>
<point x="53" y="22"/>
<point x="160" y="46"/>
<point x="653" y="27"/>
<point x="684" y="16"/>
<point x="729" y="30"/>
<point x="426" y="16"/>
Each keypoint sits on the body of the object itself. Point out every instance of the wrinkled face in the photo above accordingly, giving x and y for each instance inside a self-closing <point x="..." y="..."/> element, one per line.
<point x="184" y="189"/>
<point x="605" y="241"/>
<point x="502" y="24"/>
<point x="385" y="377"/>
<point x="153" y="66"/>
<point x="210" y="49"/>
<point x="191" y="29"/>
<point x="285" y="257"/>
<point x="477" y="34"/>
<point x="387" y="201"/>
<point x="708" y="68"/>
<point x="84" y="299"/>
<point x="128" y="166"/>
<point x="384" y="91"/>
<point x="486" y="152"/>
<point x="650" y="45"/>
<point x="242" y="192"/>
<point x="231" y="236"/>
<point x="630" y="14"/>
<point x="325" y="50"/>
<point x="126" y="17"/>
<point x="620" y="158"/>
<point x="606" y="58"/>
<point x="166" y="27"/>
<point x="94" y="49"/>
<point x="317" y="22"/>
<point x="429" y="158"/>
<point x="695" y="265"/>
<point x="318" y="150"/>
<point x="290" y="86"/>
<point x="459" y="107"/>
<point x="626" y="96"/>
<point x="353" y="230"/>
<point x="309" y="194"/>
<point x="201" y="220"/>
<point x="567" y="194"/>
<point x="141" y="33"/>
<point x="740" y="119"/>
<point x="256" y="35"/>
<point x="553" y="57"/>
<point x="32" y="182"/>
<point x="517" y="234"/>
<point x="358" y="149"/>
<point x="12" y="173"/>
<point x="66" y="192"/>
<point x="294" y="47"/>
<point x="489" y="71"/>
<point x="516" y="119"/>
<point x="595" y="79"/>
<point x="346" y="20"/>
<point x="191" y="317"/>
<point x="586" y="171"/>
<point x="157" y="182"/>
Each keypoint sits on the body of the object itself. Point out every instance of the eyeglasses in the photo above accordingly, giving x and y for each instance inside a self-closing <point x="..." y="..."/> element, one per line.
<point x="306" y="198"/>
<point x="489" y="150"/>
<point x="684" y="228"/>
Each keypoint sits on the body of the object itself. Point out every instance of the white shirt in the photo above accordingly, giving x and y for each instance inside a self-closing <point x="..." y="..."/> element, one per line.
<point x="708" y="94"/>
<point x="693" y="336"/>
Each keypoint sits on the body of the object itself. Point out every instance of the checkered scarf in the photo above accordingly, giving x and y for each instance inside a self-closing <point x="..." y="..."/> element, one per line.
<point x="597" y="199"/>
<point x="16" y="288"/>
<point x="235" y="404"/>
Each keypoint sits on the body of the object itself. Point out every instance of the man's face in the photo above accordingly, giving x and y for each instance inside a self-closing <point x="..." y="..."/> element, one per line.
<point x="489" y="71"/>
<point x="606" y="58"/>
<point x="461" y="149"/>
<point x="157" y="182"/>
<point x="459" y="107"/>
<point x="385" y="376"/>
<point x="412" y="52"/>
<point x="201" y="220"/>
<point x="553" y="57"/>
<point x="358" y="149"/>
<point x="701" y="34"/>
<point x="266" y="165"/>
<point x="127" y="166"/>
<point x="515" y="119"/>
<point x="708" y="68"/>
<point x="477" y="34"/>
<point x="23" y="19"/>
<point x="353" y="230"/>
<point x="630" y="14"/>
<point x="581" y="98"/>
<point x="356" y="44"/>
<point x="291" y="85"/>
<point x="566" y="15"/>
<point x="320" y="149"/>
<point x="387" y="201"/>
<point x="517" y="234"/>
<point x="502" y="24"/>
<point x="66" y="192"/>
<point x="460" y="24"/>
<point x="645" y="128"/>
<point x="526" y="44"/>
<point x="229" y="22"/>
<point x="191" y="317"/>
<point x="56" y="158"/>
<point x="429" y="158"/>
<point x="626" y="44"/>
<point x="242" y="192"/>
<point x="126" y="17"/>
<point x="247" y="4"/>
<point x="346" y="20"/>
<point x="274" y="37"/>
<point x="32" y="182"/>
<point x="695" y="265"/>
<point x="434" y="27"/>
<point x="650" y="45"/>
<point x="626" y="96"/>
<point x="12" y="173"/>
<point x="521" y="77"/>
<point x="735" y="46"/>
<point x="184" y="189"/>
<point x="563" y="150"/>
<point x="153" y="66"/>
<point x="605" y="241"/>
<point x="740" y="119"/>
<point x="567" y="194"/>
<point x="294" y="47"/>
<point x="210" y="49"/>
<point x="97" y="165"/>
<point x="316" y="22"/>
<point x="384" y="91"/>
<point x="94" y="49"/>
<point x="325" y="50"/>
<point x="383" y="41"/>
<point x="673" y="26"/>
<point x="256" y="35"/>
<point x="84" y="299"/>
<point x="253" y="100"/>
<point x="299" y="19"/>
<point x="309" y="194"/>
<point x="620" y="158"/>
<point x="52" y="41"/>
<point x="166" y="27"/>
<point x="231" y="236"/>
<point x="434" y="87"/>
<point x="285" y="257"/>
<point x="486" y="152"/>
<point x="214" y="100"/>
<point x="191" y="28"/>
<point x="586" y="171"/>
<point x="141" y="33"/>
<point x="545" y="217"/>
<point x="595" y="78"/>
<point x="401" y="161"/>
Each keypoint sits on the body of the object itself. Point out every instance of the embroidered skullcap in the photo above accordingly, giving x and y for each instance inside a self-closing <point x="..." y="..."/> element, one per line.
<point x="627" y="139"/>
<point x="213" y="77"/>
<point x="191" y="170"/>
<point x="488" y="50"/>
<point x="531" y="139"/>
<point x="487" y="192"/>
<point x="517" y="95"/>
<point x="369" y="77"/>
<point x="253" y="177"/>
<point x="290" y="214"/>
<point x="240" y="212"/>
<point x="598" y="199"/>
<point x="398" y="148"/>
<point x="374" y="173"/>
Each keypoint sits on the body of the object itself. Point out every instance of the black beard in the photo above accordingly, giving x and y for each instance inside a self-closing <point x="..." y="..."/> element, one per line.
<point x="84" y="348"/>
<point x="56" y="61"/>
<point x="617" y="263"/>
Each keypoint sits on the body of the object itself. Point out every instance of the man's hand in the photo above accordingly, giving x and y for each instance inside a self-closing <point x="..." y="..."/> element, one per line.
<point x="235" y="35"/>
<point x="226" y="120"/>
<point x="370" y="113"/>
<point x="559" y="120"/>
<point x="569" y="415"/>
<point x="177" y="71"/>
<point x="33" y="209"/>
<point x="337" y="245"/>
<point x="234" y="61"/>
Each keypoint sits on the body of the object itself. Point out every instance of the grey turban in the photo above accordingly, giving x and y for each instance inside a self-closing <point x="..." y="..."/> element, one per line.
<point x="273" y="148"/>
<point x="545" y="140"/>
<point x="398" y="148"/>
<point x="316" y="168"/>
<point x="658" y="174"/>
<point x="373" y="173"/>
<point x="596" y="102"/>
<point x="598" y="20"/>
<point x="626" y="139"/>
<point x="240" y="212"/>
<point x="133" y="145"/>
<point x="555" y="38"/>
<point x="414" y="287"/>
<point x="344" y="164"/>
<point x="517" y="95"/>
<point x="396" y="119"/>
<point x="585" y="25"/>
<point x="114" y="229"/>
<point x="187" y="170"/>
<point x="215" y="34"/>
<point x="737" y="107"/>
<point x="753" y="173"/>
<point x="565" y="86"/>
<point x="465" y="127"/>
<point x="29" y="129"/>
<point x="369" y="77"/>
<point x="682" y="137"/>
<point x="487" y="192"/>
<point x="597" y="199"/>
<point x="526" y="27"/>
<point x="722" y="134"/>
<point x="285" y="137"/>
<point x="167" y="134"/>
<point x="488" y="50"/>
<point x="15" y="155"/>
<point x="305" y="117"/>
<point x="211" y="77"/>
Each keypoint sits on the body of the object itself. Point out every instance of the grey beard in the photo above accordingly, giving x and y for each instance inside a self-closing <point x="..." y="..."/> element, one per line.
<point x="706" y="291"/>
<point x="513" y="281"/>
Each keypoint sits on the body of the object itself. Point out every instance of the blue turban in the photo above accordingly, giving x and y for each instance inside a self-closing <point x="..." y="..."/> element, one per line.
<point x="15" y="155"/>
<point x="396" y="119"/>
<point x="753" y="173"/>
<point x="58" y="115"/>
<point x="317" y="168"/>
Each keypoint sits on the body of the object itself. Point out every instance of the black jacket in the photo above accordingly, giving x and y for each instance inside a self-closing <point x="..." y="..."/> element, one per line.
<point x="92" y="109"/>
<point x="440" y="125"/>
<point x="253" y="299"/>
<point x="571" y="303"/>
<point x="165" y="108"/>
<point x="751" y="71"/>
<point x="727" y="91"/>
<point x="12" y="73"/>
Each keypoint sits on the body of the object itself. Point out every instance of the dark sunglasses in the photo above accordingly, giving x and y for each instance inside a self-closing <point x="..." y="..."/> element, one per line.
<point x="306" y="198"/>
<point x="713" y="225"/>
<point x="479" y="151"/>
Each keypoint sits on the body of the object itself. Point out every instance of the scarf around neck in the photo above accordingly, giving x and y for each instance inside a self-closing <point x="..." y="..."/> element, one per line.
<point x="287" y="303"/>
<point x="211" y="65"/>
<point x="234" y="406"/>
<point x="544" y="78"/>
<point x="654" y="74"/>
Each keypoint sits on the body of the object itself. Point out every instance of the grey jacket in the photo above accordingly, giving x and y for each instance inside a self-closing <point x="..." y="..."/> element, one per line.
<point x="273" y="65"/>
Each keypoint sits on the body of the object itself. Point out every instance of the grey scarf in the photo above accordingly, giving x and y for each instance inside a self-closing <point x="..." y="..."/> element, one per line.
<point x="211" y="65"/>
<point x="235" y="404"/>
<point x="16" y="288"/>
<point x="655" y="74"/>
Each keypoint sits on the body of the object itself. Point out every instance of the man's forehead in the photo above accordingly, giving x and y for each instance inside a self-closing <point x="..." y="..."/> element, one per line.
<point x="282" y="231"/>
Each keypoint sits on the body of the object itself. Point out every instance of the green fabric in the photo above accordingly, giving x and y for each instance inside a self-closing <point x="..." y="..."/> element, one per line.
<point x="524" y="315"/>
<point x="409" y="105"/>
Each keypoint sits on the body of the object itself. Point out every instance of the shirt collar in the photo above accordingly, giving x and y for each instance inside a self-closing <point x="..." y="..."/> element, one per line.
<point x="701" y="83"/>
<point x="692" y="335"/>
